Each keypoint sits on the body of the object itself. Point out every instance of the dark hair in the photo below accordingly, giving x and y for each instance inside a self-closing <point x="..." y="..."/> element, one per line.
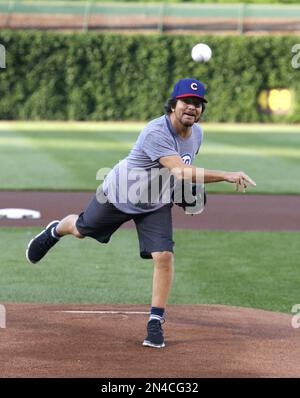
<point x="171" y="103"/>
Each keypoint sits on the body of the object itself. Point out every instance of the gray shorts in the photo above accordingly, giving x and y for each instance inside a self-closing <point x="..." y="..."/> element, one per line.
<point x="154" y="229"/>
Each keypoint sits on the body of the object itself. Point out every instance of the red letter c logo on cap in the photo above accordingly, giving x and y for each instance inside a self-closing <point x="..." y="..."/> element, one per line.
<point x="194" y="86"/>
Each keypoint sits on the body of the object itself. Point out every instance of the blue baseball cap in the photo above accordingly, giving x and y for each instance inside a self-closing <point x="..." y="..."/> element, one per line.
<point x="189" y="88"/>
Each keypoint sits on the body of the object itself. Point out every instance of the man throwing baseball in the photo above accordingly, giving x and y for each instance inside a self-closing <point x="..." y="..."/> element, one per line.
<point x="166" y="145"/>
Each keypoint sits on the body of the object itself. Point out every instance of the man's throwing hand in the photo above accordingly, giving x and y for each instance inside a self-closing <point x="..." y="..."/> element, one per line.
<point x="240" y="179"/>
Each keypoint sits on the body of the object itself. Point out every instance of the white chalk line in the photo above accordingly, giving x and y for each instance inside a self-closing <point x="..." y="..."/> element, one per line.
<point x="107" y="312"/>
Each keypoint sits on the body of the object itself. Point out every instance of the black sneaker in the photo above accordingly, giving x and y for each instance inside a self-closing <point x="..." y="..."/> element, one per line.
<point x="39" y="246"/>
<point x="155" y="336"/>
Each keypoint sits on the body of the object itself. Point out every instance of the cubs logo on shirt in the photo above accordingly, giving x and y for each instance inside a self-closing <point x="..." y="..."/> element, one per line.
<point x="186" y="158"/>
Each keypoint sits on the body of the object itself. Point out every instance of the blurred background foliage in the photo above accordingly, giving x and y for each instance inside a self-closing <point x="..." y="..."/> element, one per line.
<point x="106" y="76"/>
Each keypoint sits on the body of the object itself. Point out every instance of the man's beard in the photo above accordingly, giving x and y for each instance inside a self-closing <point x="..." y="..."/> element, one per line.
<point x="189" y="124"/>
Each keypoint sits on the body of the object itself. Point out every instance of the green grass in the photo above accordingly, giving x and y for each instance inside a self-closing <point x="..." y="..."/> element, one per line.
<point x="268" y="153"/>
<point x="251" y="269"/>
<point x="62" y="156"/>
<point x="66" y="156"/>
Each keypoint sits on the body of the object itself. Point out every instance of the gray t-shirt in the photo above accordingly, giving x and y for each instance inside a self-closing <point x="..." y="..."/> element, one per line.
<point x="139" y="183"/>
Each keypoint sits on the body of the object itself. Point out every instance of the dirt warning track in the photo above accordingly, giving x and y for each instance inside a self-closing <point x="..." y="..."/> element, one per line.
<point x="223" y="212"/>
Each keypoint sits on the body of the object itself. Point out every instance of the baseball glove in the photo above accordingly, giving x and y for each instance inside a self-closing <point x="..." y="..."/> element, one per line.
<point x="191" y="197"/>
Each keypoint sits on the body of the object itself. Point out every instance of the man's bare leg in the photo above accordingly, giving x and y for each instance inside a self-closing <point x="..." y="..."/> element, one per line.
<point x="162" y="278"/>
<point x="67" y="226"/>
<point x="162" y="283"/>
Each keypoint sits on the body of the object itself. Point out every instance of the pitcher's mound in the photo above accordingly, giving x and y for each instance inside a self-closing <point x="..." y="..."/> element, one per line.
<point x="63" y="340"/>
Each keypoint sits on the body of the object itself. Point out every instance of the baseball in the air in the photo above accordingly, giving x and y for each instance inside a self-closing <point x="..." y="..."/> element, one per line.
<point x="201" y="52"/>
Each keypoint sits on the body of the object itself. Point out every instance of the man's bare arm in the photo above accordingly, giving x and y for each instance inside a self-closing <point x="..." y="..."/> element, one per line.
<point x="184" y="171"/>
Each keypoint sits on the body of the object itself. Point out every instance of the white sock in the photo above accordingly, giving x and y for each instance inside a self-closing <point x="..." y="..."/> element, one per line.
<point x="157" y="317"/>
<point x="54" y="233"/>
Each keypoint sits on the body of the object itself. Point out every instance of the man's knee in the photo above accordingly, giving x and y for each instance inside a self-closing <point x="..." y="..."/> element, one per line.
<point x="77" y="233"/>
<point x="164" y="258"/>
